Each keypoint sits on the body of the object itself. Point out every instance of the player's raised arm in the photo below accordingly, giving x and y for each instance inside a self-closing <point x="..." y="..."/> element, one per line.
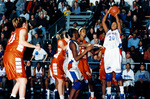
<point x="74" y="51"/>
<point x="103" y="21"/>
<point x="118" y="22"/>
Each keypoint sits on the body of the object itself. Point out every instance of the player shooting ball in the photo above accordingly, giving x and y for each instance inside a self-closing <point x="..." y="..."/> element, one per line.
<point x="112" y="56"/>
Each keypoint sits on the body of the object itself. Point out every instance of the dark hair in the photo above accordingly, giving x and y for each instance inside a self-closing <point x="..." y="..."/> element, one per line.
<point x="71" y="32"/>
<point x="38" y="63"/>
<point x="129" y="64"/>
<point x="18" y="22"/>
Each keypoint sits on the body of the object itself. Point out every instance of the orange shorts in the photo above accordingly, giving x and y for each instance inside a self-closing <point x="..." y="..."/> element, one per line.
<point x="84" y="67"/>
<point x="14" y="66"/>
<point x="102" y="74"/>
<point x="57" y="69"/>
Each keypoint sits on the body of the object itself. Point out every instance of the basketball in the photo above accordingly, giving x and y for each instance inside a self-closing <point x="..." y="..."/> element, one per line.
<point x="114" y="10"/>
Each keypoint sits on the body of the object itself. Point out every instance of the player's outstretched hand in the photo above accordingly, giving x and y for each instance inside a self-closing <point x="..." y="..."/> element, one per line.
<point x="89" y="47"/>
<point x="89" y="74"/>
<point x="109" y="10"/>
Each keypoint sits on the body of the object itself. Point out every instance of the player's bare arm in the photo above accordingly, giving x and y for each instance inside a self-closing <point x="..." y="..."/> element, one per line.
<point x="118" y="22"/>
<point x="74" y="51"/>
<point x="103" y="21"/>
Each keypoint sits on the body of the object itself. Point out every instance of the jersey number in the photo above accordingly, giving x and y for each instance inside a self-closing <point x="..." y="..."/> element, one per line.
<point x="111" y="38"/>
<point x="12" y="38"/>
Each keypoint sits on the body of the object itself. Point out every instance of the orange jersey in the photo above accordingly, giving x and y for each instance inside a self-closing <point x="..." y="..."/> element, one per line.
<point x="13" y="56"/>
<point x="57" y="61"/>
<point x="60" y="53"/>
<point x="83" y="64"/>
<point x="82" y="49"/>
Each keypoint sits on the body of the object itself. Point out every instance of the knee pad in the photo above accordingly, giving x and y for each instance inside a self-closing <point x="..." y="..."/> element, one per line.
<point x="108" y="77"/>
<point x="76" y="85"/>
<point x="118" y="76"/>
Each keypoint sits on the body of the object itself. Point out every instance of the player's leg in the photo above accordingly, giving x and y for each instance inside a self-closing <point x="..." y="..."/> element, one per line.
<point x="60" y="88"/>
<point x="103" y="88"/>
<point x="22" y="87"/>
<point x="67" y="86"/>
<point x="15" y="89"/>
<point x="47" y="80"/>
<point x="108" y="79"/>
<point x="119" y="79"/>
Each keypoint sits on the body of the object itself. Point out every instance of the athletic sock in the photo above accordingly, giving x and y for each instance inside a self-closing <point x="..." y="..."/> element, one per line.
<point x="109" y="90"/>
<point x="56" y="93"/>
<point x="68" y="92"/>
<point x="92" y="94"/>
<point x="121" y="90"/>
<point x="31" y="89"/>
<point x="12" y="95"/>
<point x="41" y="89"/>
<point x="61" y="97"/>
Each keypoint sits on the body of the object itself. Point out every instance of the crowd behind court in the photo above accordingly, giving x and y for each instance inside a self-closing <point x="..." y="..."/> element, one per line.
<point x="41" y="14"/>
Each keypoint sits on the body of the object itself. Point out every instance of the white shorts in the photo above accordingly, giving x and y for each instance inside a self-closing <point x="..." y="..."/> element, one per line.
<point x="112" y="60"/>
<point x="128" y="83"/>
<point x="74" y="74"/>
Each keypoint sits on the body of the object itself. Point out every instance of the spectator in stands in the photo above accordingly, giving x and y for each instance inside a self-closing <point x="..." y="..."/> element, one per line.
<point x="133" y="41"/>
<point x="38" y="77"/>
<point x="135" y="55"/>
<point x="13" y="14"/>
<point x="123" y="4"/>
<point x="3" y="8"/>
<point x="6" y="32"/>
<point x="42" y="24"/>
<point x="28" y="73"/>
<point x="38" y="55"/>
<point x="147" y="55"/>
<point x="145" y="6"/>
<point x="129" y="18"/>
<point x="129" y="60"/>
<point x="142" y="78"/>
<point x="137" y="12"/>
<point x="97" y="25"/>
<point x="76" y="8"/>
<point x="46" y="16"/>
<point x="36" y="39"/>
<point x="93" y="58"/>
<point x="145" y="41"/>
<point x="20" y="6"/>
<point x="141" y="49"/>
<point x="111" y="3"/>
<point x="25" y="15"/>
<point x="133" y="7"/>
<point x="39" y="12"/>
<point x="3" y="21"/>
<point x="2" y="76"/>
<point x="128" y="78"/>
<point x="67" y="11"/>
<point x="56" y="14"/>
<point x="123" y="15"/>
<point x="84" y="5"/>
<point x="1" y="52"/>
<point x="3" y="40"/>
<point x="32" y="21"/>
<point x="135" y="22"/>
<point x="31" y="33"/>
<point x="90" y="34"/>
<point x="31" y="7"/>
<point x="75" y="24"/>
<point x="50" y="52"/>
<point x="95" y="37"/>
<point x="124" y="42"/>
<point x="62" y="7"/>
<point x="102" y="37"/>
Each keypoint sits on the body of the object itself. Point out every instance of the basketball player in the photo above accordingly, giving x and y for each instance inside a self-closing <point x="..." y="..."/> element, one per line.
<point x="13" y="56"/>
<point x="102" y="74"/>
<point x="83" y="64"/>
<point x="73" y="56"/>
<point x="112" y="57"/>
<point x="57" y="64"/>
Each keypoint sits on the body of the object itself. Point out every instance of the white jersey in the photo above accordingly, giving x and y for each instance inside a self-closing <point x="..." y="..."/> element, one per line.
<point x="112" y="39"/>
<point x="70" y="58"/>
<point x="71" y="65"/>
<point x="2" y="72"/>
<point x="38" y="73"/>
<point x="112" y="56"/>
